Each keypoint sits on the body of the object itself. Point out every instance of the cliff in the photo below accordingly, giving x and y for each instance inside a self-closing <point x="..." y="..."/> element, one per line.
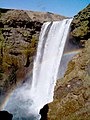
<point x="80" y="27"/>
<point x="72" y="92"/>
<point x="19" y="34"/>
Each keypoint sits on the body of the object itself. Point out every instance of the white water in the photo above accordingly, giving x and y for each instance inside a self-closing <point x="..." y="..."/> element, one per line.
<point x="28" y="100"/>
<point x="49" y="54"/>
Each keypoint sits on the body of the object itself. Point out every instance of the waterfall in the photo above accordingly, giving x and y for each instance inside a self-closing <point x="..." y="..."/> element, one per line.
<point x="28" y="100"/>
<point x="49" y="53"/>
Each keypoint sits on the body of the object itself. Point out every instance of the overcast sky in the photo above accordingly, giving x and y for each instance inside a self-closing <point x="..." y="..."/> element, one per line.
<point x="62" y="7"/>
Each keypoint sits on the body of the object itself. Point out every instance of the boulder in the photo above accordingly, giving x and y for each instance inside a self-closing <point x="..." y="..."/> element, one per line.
<point x="4" y="115"/>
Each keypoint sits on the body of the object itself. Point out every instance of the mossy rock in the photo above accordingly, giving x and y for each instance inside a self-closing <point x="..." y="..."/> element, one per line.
<point x="80" y="26"/>
<point x="72" y="92"/>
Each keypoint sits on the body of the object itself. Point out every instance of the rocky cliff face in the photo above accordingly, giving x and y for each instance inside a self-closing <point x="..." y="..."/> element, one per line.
<point x="80" y="27"/>
<point x="19" y="34"/>
<point x="72" y="92"/>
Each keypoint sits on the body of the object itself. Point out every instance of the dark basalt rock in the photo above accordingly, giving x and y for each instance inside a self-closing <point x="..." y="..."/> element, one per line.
<point x="44" y="112"/>
<point x="4" y="115"/>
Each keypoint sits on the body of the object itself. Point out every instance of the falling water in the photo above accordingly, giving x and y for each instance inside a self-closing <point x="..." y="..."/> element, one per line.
<point x="28" y="100"/>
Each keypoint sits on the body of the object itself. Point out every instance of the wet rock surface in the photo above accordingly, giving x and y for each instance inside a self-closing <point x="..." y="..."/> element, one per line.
<point x="4" y="115"/>
<point x="44" y="112"/>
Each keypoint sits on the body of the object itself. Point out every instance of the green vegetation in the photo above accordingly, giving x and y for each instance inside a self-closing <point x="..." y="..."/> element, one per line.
<point x="81" y="25"/>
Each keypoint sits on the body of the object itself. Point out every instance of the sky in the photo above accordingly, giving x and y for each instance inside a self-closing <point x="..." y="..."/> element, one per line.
<point x="63" y="7"/>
